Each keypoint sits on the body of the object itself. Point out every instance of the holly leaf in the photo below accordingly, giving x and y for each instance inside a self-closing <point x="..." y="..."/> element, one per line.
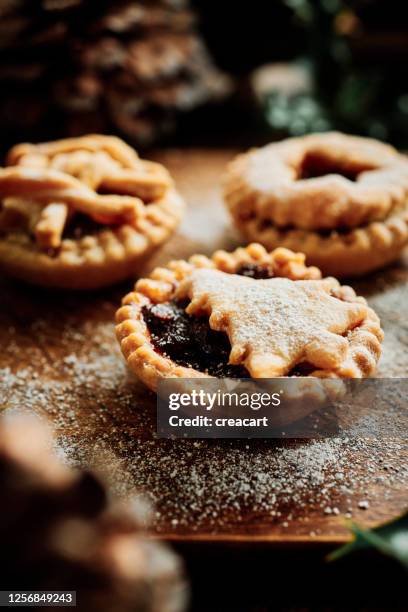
<point x="390" y="539"/>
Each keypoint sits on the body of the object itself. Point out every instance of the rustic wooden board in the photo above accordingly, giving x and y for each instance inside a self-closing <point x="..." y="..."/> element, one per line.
<point x="59" y="359"/>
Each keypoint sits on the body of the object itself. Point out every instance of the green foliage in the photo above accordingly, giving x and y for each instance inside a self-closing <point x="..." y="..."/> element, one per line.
<point x="296" y="115"/>
<point x="390" y="539"/>
<point x="351" y="92"/>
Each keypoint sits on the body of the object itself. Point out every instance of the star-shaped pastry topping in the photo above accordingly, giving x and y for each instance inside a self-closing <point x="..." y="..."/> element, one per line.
<point x="274" y="324"/>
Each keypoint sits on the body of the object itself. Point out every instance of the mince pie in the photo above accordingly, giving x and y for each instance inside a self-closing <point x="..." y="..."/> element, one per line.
<point x="342" y="200"/>
<point x="81" y="213"/>
<point x="246" y="314"/>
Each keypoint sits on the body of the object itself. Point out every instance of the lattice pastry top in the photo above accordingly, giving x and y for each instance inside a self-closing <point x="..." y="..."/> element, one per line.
<point x="66" y="195"/>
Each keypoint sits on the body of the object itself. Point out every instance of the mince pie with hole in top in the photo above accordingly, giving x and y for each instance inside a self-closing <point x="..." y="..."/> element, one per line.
<point x="246" y="314"/>
<point x="342" y="200"/>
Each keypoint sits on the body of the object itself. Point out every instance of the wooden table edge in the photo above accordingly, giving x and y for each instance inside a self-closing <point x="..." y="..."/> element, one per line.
<point x="271" y="541"/>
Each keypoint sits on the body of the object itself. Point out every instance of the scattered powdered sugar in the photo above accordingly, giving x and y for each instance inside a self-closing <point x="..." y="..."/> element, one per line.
<point x="66" y="365"/>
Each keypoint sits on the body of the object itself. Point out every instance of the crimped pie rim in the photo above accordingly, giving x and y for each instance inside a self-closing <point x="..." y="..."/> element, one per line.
<point x="349" y="250"/>
<point x="150" y="366"/>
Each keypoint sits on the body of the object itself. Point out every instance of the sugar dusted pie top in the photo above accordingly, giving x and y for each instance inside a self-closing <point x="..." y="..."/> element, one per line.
<point x="278" y="316"/>
<point x="276" y="323"/>
<point x="318" y="182"/>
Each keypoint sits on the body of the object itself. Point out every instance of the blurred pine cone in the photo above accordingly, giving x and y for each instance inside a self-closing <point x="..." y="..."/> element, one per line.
<point x="59" y="531"/>
<point x="74" y="66"/>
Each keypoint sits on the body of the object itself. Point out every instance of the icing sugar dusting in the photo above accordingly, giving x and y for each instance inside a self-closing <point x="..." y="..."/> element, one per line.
<point x="63" y="363"/>
<point x="272" y="323"/>
<point x="104" y="418"/>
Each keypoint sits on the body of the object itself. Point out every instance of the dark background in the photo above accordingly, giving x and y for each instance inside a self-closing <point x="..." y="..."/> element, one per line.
<point x="264" y="580"/>
<point x="355" y="53"/>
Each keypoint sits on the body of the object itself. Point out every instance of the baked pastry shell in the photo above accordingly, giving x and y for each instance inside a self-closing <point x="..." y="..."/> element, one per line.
<point x="345" y="228"/>
<point x="343" y="255"/>
<point x="91" y="262"/>
<point x="150" y="365"/>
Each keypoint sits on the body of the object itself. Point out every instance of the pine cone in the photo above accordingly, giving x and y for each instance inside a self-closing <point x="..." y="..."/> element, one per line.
<point x="129" y="66"/>
<point x="59" y="531"/>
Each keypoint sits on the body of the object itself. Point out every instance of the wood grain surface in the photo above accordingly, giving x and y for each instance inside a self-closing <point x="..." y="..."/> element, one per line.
<point x="59" y="359"/>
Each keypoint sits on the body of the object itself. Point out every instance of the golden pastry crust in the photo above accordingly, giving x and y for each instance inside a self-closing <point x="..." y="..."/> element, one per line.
<point x="342" y="254"/>
<point x="131" y="203"/>
<point x="352" y="327"/>
<point x="269" y="183"/>
<point x="102" y="162"/>
<point x="348" y="220"/>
